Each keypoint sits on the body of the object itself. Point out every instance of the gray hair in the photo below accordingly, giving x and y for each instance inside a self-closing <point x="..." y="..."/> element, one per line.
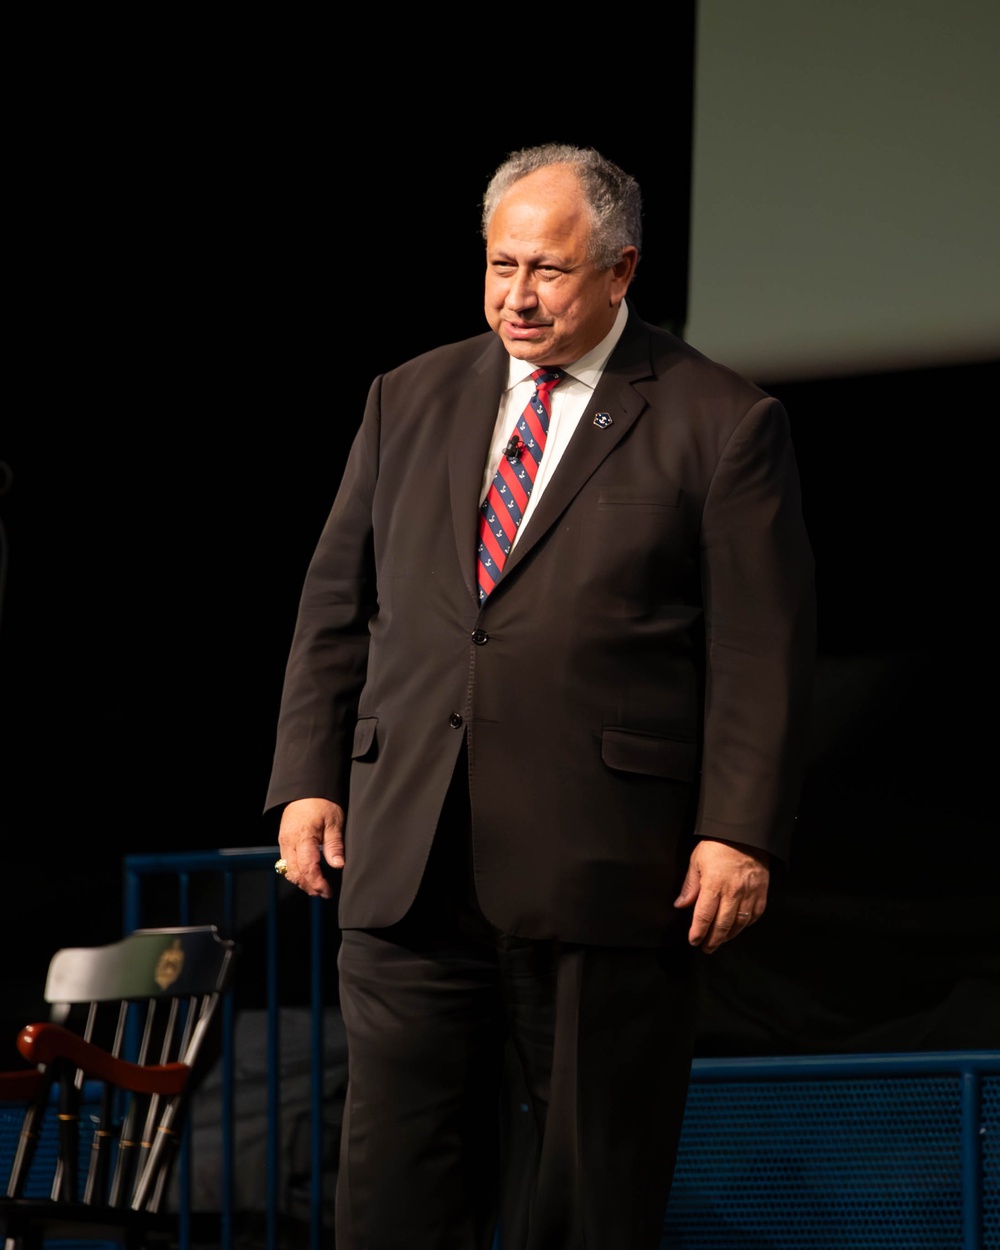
<point x="612" y="196"/>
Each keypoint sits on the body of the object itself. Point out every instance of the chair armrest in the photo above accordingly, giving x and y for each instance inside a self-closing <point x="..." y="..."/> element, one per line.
<point x="43" y="1043"/>
<point x="20" y="1086"/>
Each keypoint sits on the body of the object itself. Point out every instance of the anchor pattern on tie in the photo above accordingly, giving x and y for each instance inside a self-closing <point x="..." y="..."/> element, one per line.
<point x="507" y="498"/>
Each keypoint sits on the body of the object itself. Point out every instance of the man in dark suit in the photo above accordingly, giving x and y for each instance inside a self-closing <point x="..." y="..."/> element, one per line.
<point x="546" y="720"/>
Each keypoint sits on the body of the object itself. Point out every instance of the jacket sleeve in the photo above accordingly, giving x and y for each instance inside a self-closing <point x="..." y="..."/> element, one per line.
<point x="758" y="586"/>
<point x="328" y="658"/>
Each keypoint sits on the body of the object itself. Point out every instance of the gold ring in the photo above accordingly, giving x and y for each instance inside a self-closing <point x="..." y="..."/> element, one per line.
<point x="281" y="866"/>
<point x="740" y="915"/>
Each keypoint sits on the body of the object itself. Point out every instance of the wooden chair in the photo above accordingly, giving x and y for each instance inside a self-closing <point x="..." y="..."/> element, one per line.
<point x="126" y="1026"/>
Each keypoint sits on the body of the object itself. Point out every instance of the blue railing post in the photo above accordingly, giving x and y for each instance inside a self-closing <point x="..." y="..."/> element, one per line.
<point x="227" y="1230"/>
<point x="274" y="1061"/>
<point x="317" y="1000"/>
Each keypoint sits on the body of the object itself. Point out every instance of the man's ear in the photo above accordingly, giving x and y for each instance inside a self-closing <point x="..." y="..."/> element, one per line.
<point x="622" y="272"/>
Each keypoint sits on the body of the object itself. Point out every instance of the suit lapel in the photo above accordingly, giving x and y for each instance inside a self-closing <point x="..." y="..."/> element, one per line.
<point x="591" y="444"/>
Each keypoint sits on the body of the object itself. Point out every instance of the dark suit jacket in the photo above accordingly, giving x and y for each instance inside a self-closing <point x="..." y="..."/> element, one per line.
<point x="639" y="674"/>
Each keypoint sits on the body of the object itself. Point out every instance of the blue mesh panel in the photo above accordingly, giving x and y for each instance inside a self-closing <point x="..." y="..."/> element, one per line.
<point x="835" y="1164"/>
<point x="39" y="1183"/>
<point x="43" y="1164"/>
<point x="990" y="1138"/>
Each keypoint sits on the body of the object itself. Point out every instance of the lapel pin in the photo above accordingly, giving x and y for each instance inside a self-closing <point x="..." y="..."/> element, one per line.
<point x="602" y="420"/>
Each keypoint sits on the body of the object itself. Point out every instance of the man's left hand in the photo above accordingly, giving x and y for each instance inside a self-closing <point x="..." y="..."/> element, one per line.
<point x="727" y="884"/>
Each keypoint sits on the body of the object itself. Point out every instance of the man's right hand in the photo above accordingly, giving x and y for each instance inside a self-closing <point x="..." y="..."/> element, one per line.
<point x="309" y="828"/>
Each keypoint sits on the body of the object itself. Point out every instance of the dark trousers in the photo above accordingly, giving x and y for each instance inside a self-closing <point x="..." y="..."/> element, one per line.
<point x="490" y="1076"/>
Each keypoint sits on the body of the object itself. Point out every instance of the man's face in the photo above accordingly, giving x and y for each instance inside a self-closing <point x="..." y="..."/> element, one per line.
<point x="544" y="297"/>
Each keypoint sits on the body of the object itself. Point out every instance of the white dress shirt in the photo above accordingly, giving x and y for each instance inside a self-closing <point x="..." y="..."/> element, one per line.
<point x="570" y="400"/>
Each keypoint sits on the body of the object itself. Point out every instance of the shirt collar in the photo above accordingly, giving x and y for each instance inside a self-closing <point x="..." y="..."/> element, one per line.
<point x="588" y="368"/>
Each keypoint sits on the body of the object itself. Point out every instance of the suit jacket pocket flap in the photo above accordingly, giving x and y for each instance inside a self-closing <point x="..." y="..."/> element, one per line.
<point x="632" y="752"/>
<point x="364" y="737"/>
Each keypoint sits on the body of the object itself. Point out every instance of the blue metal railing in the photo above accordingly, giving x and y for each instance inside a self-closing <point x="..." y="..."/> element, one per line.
<point x="786" y="1101"/>
<point x="226" y="866"/>
<point x="910" y="1142"/>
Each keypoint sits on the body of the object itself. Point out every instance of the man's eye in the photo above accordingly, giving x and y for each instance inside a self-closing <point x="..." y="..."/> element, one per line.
<point x="549" y="271"/>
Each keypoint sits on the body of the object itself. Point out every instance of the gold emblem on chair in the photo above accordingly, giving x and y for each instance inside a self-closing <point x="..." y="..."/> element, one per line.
<point x="169" y="965"/>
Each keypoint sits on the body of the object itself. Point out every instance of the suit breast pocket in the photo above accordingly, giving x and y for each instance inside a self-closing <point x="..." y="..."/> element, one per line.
<point x="644" y="501"/>
<point x="639" y="547"/>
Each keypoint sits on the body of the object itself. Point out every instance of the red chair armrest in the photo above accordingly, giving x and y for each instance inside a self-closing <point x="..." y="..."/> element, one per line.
<point x="19" y="1086"/>
<point x="43" y="1043"/>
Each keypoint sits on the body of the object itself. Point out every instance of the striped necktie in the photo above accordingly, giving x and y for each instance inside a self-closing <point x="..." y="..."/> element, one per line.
<point x="507" y="497"/>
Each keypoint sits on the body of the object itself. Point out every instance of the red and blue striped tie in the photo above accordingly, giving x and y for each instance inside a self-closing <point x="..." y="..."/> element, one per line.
<point x="507" y="497"/>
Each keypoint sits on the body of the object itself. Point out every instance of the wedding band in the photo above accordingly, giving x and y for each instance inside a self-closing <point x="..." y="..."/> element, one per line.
<point x="742" y="915"/>
<point x="281" y="866"/>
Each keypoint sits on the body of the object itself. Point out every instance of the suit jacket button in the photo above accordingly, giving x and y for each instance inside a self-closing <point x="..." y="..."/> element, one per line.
<point x="480" y="637"/>
<point x="455" y="720"/>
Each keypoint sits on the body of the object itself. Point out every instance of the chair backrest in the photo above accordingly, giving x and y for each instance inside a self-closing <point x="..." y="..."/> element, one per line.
<point x="132" y="1016"/>
<point x="149" y="963"/>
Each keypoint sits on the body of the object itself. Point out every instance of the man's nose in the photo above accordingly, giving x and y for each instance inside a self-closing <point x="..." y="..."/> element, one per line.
<point x="521" y="292"/>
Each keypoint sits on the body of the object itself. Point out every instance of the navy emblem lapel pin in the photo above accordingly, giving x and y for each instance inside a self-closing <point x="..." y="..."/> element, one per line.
<point x="602" y="420"/>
